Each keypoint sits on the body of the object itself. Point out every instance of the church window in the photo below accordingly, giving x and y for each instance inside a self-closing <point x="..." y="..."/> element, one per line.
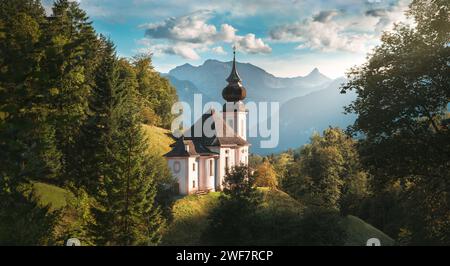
<point x="193" y="183"/>
<point x="176" y="167"/>
<point x="193" y="167"/>
<point x="211" y="167"/>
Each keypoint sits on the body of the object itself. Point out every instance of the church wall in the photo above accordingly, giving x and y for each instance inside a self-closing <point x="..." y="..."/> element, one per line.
<point x="223" y="153"/>
<point x="178" y="166"/>
<point x="206" y="180"/>
<point x="192" y="175"/>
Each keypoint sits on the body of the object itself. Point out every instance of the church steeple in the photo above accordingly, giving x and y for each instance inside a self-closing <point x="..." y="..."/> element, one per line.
<point x="234" y="91"/>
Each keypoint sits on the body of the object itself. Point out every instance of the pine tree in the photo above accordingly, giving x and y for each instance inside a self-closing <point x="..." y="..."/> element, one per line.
<point x="131" y="186"/>
<point x="96" y="133"/>
<point x="27" y="138"/>
<point x="67" y="71"/>
<point x="116" y="169"/>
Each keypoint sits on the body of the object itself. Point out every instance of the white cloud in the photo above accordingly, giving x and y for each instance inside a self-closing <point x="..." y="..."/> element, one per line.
<point x="218" y="50"/>
<point x="189" y="34"/>
<point x="332" y="31"/>
<point x="182" y="49"/>
<point x="190" y="28"/>
<point x="324" y="36"/>
<point x="250" y="44"/>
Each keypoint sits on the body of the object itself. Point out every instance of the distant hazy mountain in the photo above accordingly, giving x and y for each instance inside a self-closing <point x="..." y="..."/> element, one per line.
<point x="210" y="77"/>
<point x="302" y="116"/>
<point x="307" y="104"/>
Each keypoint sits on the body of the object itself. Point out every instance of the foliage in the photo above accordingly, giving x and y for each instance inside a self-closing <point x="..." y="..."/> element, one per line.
<point x="328" y="173"/>
<point x="402" y="106"/>
<point x="322" y="227"/>
<point x="70" y="115"/>
<point x="265" y="175"/>
<point x="234" y="221"/>
<point x="156" y="94"/>
<point x="23" y="221"/>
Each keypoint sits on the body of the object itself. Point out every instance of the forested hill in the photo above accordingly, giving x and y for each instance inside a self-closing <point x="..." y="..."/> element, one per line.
<point x="71" y="115"/>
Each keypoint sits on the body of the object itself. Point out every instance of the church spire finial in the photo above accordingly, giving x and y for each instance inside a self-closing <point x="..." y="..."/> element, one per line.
<point x="234" y="91"/>
<point x="234" y="76"/>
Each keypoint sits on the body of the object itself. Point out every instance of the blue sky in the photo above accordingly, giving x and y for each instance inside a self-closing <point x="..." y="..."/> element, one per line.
<point x="285" y="37"/>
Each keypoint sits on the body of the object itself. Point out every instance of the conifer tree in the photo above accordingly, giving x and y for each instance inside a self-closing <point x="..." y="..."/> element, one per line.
<point x="128" y="193"/>
<point x="116" y="169"/>
<point x="67" y="71"/>
<point x="27" y="139"/>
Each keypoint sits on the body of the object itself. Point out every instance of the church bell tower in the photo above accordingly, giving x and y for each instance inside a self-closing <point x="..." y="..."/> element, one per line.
<point x="234" y="112"/>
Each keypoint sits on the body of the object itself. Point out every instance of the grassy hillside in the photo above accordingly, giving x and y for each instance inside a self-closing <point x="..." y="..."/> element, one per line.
<point x="359" y="232"/>
<point x="51" y="195"/>
<point x="159" y="138"/>
<point x="190" y="218"/>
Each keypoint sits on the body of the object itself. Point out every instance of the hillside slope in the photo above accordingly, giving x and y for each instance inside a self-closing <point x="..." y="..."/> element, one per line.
<point x="160" y="139"/>
<point x="190" y="216"/>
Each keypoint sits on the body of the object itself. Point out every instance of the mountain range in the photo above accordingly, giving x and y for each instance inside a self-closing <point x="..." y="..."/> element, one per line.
<point x="307" y="103"/>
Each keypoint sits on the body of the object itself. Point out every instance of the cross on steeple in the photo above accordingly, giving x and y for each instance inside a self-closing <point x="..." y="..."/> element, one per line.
<point x="234" y="76"/>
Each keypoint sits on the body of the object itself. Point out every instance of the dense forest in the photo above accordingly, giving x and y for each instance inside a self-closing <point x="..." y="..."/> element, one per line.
<point x="72" y="115"/>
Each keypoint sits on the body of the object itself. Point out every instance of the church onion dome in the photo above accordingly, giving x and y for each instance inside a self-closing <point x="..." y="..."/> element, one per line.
<point x="234" y="91"/>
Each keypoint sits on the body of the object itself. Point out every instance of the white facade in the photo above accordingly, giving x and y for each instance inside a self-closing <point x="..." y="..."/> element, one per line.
<point x="206" y="172"/>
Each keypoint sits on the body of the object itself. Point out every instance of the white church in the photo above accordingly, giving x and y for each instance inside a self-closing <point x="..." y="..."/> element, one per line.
<point x="199" y="162"/>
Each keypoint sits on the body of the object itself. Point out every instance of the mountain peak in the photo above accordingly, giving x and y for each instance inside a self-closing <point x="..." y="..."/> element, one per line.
<point x="315" y="71"/>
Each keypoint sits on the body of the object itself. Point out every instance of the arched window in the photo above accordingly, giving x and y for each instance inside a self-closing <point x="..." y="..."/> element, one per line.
<point x="176" y="167"/>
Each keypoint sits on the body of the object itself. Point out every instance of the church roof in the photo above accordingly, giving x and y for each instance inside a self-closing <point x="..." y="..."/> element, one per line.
<point x="195" y="148"/>
<point x="223" y="134"/>
<point x="198" y="145"/>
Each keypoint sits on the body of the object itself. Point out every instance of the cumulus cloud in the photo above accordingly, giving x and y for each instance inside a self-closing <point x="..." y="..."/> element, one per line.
<point x="191" y="28"/>
<point x="250" y="44"/>
<point x="320" y="36"/>
<point x="189" y="34"/>
<point x="329" y="31"/>
<point x="182" y="49"/>
<point x="325" y="16"/>
<point x="387" y="16"/>
<point x="218" y="50"/>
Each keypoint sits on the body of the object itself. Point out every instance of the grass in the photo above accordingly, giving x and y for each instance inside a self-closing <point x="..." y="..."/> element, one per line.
<point x="189" y="219"/>
<point x="51" y="195"/>
<point x="358" y="232"/>
<point x="275" y="200"/>
<point x="160" y="139"/>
